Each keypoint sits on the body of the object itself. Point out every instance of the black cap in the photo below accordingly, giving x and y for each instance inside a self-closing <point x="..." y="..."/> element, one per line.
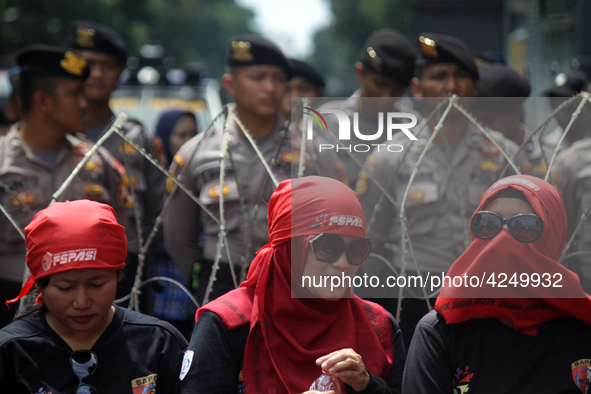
<point x="51" y="61"/>
<point x="98" y="38"/>
<point x="250" y="50"/>
<point x="499" y="81"/>
<point x="567" y="84"/>
<point x="389" y="53"/>
<point x="439" y="48"/>
<point x="306" y="71"/>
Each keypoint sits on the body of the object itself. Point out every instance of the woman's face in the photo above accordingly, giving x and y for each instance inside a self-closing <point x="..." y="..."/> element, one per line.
<point x="319" y="270"/>
<point x="79" y="301"/>
<point x="508" y="207"/>
<point x="184" y="129"/>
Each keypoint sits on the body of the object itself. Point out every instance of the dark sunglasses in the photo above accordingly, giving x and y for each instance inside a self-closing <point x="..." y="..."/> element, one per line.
<point x="329" y="247"/>
<point x="524" y="227"/>
<point x="84" y="363"/>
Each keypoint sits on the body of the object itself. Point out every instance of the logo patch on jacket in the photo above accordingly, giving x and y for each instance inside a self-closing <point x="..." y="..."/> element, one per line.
<point x="581" y="370"/>
<point x="145" y="385"/>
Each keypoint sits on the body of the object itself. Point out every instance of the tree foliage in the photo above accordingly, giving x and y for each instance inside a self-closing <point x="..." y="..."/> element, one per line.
<point x="338" y="46"/>
<point x="189" y="30"/>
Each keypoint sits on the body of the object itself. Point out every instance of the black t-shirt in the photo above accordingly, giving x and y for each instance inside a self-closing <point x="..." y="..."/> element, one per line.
<point x="485" y="356"/>
<point x="216" y="366"/>
<point x="136" y="353"/>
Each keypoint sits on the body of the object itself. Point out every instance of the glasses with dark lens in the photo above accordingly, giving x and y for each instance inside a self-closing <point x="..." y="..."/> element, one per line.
<point x="329" y="247"/>
<point x="524" y="227"/>
<point x="84" y="363"/>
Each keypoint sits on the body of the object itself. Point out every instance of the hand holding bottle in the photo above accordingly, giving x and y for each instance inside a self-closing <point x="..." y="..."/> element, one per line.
<point x="346" y="365"/>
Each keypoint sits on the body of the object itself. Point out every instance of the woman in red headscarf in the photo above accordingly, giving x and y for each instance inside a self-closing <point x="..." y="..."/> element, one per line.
<point x="77" y="341"/>
<point x="281" y="328"/>
<point x="519" y="322"/>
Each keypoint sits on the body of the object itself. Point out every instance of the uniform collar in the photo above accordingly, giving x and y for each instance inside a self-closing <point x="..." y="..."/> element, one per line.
<point x="276" y="134"/>
<point x="16" y="146"/>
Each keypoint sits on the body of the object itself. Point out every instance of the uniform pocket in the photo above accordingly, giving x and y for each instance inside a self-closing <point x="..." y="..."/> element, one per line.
<point x="210" y="197"/>
<point x="421" y="206"/>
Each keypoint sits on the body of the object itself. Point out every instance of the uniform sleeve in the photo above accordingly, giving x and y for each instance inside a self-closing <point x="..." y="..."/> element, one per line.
<point x="182" y="221"/>
<point x="427" y="368"/>
<point x="217" y="358"/>
<point x="156" y="183"/>
<point x="120" y="196"/>
<point x="170" y="363"/>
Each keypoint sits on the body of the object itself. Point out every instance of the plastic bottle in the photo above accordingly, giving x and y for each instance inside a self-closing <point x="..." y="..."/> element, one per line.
<point x="326" y="382"/>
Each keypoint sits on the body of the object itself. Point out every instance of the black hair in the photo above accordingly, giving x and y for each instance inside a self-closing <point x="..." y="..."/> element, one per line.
<point x="30" y="307"/>
<point x="30" y="83"/>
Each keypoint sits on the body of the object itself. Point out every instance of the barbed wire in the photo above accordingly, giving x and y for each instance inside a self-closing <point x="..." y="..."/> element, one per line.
<point x="229" y="113"/>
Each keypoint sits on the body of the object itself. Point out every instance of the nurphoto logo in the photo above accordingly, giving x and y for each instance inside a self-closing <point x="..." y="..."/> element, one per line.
<point x="393" y="123"/>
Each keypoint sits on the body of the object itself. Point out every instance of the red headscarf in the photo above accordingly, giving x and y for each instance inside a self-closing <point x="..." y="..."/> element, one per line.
<point x="73" y="235"/>
<point x="527" y="307"/>
<point x="288" y="334"/>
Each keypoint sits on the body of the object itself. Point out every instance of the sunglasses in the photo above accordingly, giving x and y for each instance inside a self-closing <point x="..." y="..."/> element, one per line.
<point x="84" y="363"/>
<point x="524" y="227"/>
<point x="329" y="247"/>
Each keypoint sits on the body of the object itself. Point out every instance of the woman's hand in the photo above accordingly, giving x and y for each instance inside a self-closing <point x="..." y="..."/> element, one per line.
<point x="346" y="365"/>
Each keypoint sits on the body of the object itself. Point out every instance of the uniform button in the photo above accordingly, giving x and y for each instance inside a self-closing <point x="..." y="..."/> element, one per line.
<point x="475" y="139"/>
<point x="421" y="143"/>
<point x="15" y="143"/>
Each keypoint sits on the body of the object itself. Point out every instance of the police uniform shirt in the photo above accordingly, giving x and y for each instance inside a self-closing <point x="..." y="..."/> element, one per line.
<point x="185" y="222"/>
<point x="32" y="184"/>
<point x="439" y="234"/>
<point x="484" y="356"/>
<point x="147" y="180"/>
<point x="367" y="125"/>
<point x="573" y="170"/>
<point x="135" y="354"/>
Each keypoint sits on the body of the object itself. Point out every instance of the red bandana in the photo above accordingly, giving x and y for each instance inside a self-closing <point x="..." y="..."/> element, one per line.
<point x="73" y="235"/>
<point x="288" y="334"/>
<point x="527" y="307"/>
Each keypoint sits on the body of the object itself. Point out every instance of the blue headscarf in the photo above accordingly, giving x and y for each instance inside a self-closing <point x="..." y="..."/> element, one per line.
<point x="165" y="125"/>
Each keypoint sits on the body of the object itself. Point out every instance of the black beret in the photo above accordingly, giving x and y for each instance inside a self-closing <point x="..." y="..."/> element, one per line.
<point x="51" y="61"/>
<point x="250" y="50"/>
<point x="389" y="53"/>
<point x="98" y="38"/>
<point x="306" y="71"/>
<point x="499" y="81"/>
<point x="439" y="48"/>
<point x="567" y="84"/>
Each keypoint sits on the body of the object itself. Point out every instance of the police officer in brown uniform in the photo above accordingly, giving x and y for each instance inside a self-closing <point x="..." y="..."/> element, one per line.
<point x="573" y="175"/>
<point x="384" y="72"/>
<point x="40" y="152"/>
<point x="306" y="82"/>
<point x="437" y="227"/>
<point x="106" y="54"/>
<point x="256" y="79"/>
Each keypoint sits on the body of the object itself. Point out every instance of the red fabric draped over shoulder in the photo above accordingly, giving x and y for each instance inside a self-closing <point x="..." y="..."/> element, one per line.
<point x="527" y="307"/>
<point x="288" y="334"/>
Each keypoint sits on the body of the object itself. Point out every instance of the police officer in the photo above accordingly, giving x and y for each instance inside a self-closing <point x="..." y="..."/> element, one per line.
<point x="306" y="82"/>
<point x="256" y="79"/>
<point x="106" y="53"/>
<point x="438" y="209"/>
<point x="384" y="72"/>
<point x="499" y="106"/>
<point x="40" y="152"/>
<point x="566" y="85"/>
